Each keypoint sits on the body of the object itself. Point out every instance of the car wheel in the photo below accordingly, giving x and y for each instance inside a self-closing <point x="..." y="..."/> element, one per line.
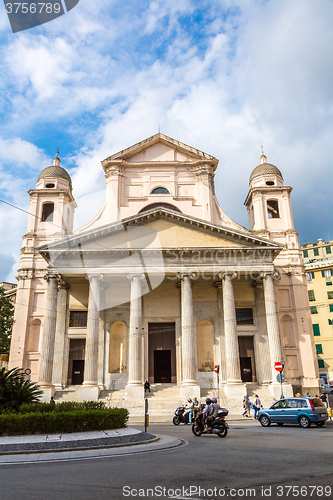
<point x="176" y="420"/>
<point x="304" y="422"/>
<point x="196" y="431"/>
<point x="280" y="424"/>
<point x="264" y="420"/>
<point x="319" y="424"/>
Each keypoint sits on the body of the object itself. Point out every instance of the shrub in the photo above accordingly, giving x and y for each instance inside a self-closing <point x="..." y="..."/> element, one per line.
<point x="50" y="422"/>
<point x="66" y="406"/>
<point x="15" y="389"/>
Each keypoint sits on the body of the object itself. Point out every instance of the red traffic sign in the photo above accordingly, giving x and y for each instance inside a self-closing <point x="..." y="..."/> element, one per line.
<point x="217" y="368"/>
<point x="278" y="366"/>
<point x="27" y="371"/>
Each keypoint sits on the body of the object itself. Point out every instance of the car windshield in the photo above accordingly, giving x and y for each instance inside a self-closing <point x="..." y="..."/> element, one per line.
<point x="317" y="402"/>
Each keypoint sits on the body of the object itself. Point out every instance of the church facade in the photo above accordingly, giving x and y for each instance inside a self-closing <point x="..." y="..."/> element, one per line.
<point x="162" y="285"/>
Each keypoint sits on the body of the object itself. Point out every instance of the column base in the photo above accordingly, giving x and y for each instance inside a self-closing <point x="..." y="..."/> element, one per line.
<point x="47" y="393"/>
<point x="235" y="390"/>
<point x="275" y="390"/>
<point x="190" y="391"/>
<point x="135" y="393"/>
<point x="88" y="393"/>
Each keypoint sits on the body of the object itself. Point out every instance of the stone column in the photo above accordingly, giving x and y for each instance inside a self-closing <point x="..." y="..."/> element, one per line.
<point x="230" y="330"/>
<point x="234" y="388"/>
<point x="263" y="364"/>
<point x="273" y="332"/>
<point x="272" y="320"/>
<point x="47" y="347"/>
<point x="189" y="385"/>
<point x="89" y="389"/>
<point x="60" y="332"/>
<point x="134" y="387"/>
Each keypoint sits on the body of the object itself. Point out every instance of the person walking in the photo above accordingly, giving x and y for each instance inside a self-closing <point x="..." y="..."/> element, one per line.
<point x="246" y="406"/>
<point x="323" y="397"/>
<point x="256" y="406"/>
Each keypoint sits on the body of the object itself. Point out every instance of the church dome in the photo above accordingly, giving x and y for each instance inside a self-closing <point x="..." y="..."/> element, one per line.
<point x="265" y="169"/>
<point x="55" y="170"/>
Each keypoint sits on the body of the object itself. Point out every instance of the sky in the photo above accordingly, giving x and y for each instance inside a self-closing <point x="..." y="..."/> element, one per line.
<point x="223" y="76"/>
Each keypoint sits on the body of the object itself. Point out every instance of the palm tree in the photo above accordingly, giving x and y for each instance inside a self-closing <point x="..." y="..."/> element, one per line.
<point x="15" y="389"/>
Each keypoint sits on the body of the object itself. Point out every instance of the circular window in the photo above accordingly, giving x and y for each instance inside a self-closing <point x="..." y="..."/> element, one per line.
<point x="269" y="183"/>
<point x="49" y="186"/>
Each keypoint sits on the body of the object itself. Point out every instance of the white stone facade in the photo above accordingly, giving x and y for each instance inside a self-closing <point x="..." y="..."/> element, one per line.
<point x="162" y="285"/>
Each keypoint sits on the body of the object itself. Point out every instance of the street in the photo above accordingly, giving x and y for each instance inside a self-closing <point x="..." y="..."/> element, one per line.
<point x="274" y="462"/>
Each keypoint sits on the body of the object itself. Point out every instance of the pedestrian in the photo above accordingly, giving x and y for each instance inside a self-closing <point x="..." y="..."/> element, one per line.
<point x="298" y="395"/>
<point x="52" y="400"/>
<point x="323" y="397"/>
<point x="147" y="386"/>
<point x="256" y="406"/>
<point x="246" y="406"/>
<point x="307" y="395"/>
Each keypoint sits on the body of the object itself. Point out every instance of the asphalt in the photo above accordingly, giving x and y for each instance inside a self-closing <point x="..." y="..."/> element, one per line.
<point x="39" y="448"/>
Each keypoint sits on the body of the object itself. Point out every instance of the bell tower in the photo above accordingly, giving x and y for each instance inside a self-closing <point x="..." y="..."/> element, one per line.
<point x="269" y="208"/>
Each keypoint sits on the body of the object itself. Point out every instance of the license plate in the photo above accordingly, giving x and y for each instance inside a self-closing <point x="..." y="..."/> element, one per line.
<point x="323" y="414"/>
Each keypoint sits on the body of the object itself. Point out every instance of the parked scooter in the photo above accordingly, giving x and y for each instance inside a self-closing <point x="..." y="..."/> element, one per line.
<point x="181" y="417"/>
<point x="219" y="424"/>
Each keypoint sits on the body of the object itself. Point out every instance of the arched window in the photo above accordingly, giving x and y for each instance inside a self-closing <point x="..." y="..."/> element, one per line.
<point x="47" y="212"/>
<point x="159" y="205"/>
<point x="118" y="342"/>
<point x="205" y="338"/>
<point x="273" y="209"/>
<point x="160" y="190"/>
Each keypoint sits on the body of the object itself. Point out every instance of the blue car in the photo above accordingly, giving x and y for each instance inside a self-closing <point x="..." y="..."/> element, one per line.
<point x="302" y="411"/>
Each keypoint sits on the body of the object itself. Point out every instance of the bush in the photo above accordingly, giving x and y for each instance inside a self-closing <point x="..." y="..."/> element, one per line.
<point x="48" y="422"/>
<point x="15" y="389"/>
<point x="66" y="406"/>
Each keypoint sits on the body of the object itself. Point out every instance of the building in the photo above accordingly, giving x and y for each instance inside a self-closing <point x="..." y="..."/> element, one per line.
<point x="162" y="285"/>
<point x="318" y="260"/>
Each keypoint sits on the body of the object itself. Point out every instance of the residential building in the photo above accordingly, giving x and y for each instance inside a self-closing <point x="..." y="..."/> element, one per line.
<point x="318" y="260"/>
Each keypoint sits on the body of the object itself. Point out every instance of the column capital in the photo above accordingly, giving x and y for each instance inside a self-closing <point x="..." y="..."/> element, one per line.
<point x="62" y="285"/>
<point x="190" y="275"/>
<point x="132" y="276"/>
<point x="275" y="275"/>
<point x="52" y="276"/>
<point x="92" y="276"/>
<point x="229" y="274"/>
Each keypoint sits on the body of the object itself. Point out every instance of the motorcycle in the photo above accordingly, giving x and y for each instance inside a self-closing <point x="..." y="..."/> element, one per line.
<point x="181" y="417"/>
<point x="219" y="424"/>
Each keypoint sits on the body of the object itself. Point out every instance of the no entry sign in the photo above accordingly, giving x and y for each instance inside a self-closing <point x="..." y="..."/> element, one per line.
<point x="278" y="366"/>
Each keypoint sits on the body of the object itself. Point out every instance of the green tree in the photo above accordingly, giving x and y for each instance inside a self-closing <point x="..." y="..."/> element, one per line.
<point x="16" y="389"/>
<point x="6" y="321"/>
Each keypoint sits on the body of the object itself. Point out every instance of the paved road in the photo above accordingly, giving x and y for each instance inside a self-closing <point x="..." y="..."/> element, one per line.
<point x="251" y="459"/>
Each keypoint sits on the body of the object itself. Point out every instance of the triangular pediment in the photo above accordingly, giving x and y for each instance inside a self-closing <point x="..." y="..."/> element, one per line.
<point x="160" y="229"/>
<point x="159" y="148"/>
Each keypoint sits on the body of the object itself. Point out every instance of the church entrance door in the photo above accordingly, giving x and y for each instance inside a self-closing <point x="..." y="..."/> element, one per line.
<point x="162" y="353"/>
<point x="247" y="360"/>
<point x="76" y="357"/>
<point x="162" y="366"/>
<point x="78" y="371"/>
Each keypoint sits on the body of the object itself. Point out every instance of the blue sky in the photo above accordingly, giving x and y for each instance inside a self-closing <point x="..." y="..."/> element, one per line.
<point x="222" y="76"/>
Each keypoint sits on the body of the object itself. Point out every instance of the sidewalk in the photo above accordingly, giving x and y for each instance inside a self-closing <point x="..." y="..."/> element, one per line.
<point x="38" y="448"/>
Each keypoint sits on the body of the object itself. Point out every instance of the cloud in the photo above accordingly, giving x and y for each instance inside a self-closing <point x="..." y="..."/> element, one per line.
<point x="222" y="76"/>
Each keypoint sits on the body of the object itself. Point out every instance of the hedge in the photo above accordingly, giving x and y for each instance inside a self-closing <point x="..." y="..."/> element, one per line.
<point x="55" y="421"/>
<point x="63" y="407"/>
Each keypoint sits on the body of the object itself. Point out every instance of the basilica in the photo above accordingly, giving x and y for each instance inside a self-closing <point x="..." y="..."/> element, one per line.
<point x="162" y="286"/>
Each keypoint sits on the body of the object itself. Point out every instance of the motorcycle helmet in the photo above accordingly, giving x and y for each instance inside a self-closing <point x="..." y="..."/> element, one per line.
<point x="208" y="401"/>
<point x="214" y="400"/>
<point x="189" y="400"/>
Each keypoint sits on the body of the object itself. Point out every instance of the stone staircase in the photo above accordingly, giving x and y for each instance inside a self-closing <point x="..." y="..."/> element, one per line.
<point x="165" y="398"/>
